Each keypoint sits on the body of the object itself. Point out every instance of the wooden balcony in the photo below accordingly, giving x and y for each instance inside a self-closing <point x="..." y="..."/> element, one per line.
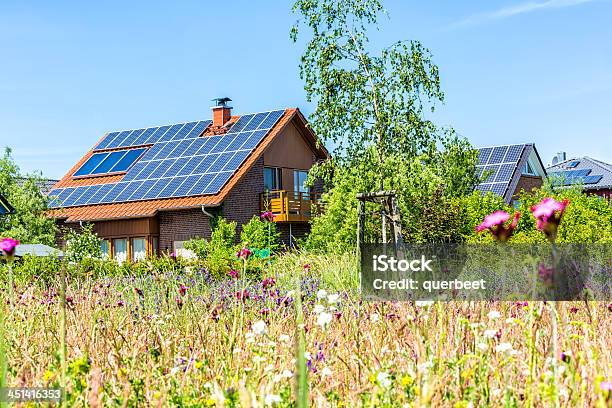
<point x="288" y="206"/>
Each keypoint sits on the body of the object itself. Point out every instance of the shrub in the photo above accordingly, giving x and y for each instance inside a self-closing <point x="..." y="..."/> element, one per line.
<point x="259" y="234"/>
<point x="218" y="254"/>
<point x="85" y="244"/>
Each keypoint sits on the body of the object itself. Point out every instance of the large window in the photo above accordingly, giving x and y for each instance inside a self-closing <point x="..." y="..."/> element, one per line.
<point x="299" y="181"/>
<point x="120" y="250"/>
<point x="273" y="178"/>
<point x="139" y="249"/>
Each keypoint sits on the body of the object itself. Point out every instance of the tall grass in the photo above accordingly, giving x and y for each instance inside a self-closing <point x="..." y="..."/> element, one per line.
<point x="137" y="341"/>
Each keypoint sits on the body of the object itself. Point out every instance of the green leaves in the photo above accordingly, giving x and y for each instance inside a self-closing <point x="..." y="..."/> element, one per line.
<point x="29" y="224"/>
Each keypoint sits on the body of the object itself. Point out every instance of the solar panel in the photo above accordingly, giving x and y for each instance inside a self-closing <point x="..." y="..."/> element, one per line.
<point x="514" y="153"/>
<point x="573" y="164"/>
<point x="498" y="154"/>
<point x="483" y="155"/>
<point x="592" y="179"/>
<point x="179" y="162"/>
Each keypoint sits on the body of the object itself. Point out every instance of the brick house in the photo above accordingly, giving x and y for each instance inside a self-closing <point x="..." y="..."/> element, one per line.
<point x="594" y="176"/>
<point x="150" y="190"/>
<point x="509" y="169"/>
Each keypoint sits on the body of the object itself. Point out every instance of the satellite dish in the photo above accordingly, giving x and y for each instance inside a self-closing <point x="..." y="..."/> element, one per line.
<point x="555" y="160"/>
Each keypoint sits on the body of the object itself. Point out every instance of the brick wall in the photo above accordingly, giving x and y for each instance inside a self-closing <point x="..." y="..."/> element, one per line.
<point x="298" y="231"/>
<point x="60" y="235"/>
<point x="528" y="183"/>
<point x="182" y="225"/>
<point x="242" y="203"/>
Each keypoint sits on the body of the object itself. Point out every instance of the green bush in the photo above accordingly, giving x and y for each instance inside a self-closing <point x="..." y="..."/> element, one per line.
<point x="259" y="234"/>
<point x="85" y="244"/>
<point x="218" y="254"/>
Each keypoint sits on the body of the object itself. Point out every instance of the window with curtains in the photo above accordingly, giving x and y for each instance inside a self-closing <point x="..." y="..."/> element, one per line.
<point x="273" y="178"/>
<point x="139" y="249"/>
<point x="120" y="250"/>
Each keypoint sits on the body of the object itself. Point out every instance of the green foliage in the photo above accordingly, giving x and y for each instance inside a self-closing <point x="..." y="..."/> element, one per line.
<point x="82" y="245"/>
<point x="428" y="187"/>
<point x="363" y="97"/>
<point x="29" y="223"/>
<point x="218" y="254"/>
<point x="259" y="234"/>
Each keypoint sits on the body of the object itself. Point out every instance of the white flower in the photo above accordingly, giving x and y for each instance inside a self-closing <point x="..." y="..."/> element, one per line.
<point x="259" y="327"/>
<point x="375" y="317"/>
<point x="493" y="314"/>
<point x="272" y="399"/>
<point x="175" y="370"/>
<point x="333" y="299"/>
<point x="503" y="347"/>
<point x="318" y="309"/>
<point x="284" y="338"/>
<point x="483" y="346"/>
<point x="249" y="338"/>
<point x="321" y="294"/>
<point x="490" y="333"/>
<point x="268" y="368"/>
<point x="286" y="374"/>
<point x="325" y="372"/>
<point x="510" y="321"/>
<point x="307" y="355"/>
<point x="424" y="303"/>
<point x="383" y="379"/>
<point x="324" y="319"/>
<point x="259" y="359"/>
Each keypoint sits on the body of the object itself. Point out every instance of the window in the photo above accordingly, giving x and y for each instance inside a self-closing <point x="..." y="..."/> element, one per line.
<point x="154" y="246"/>
<point x="139" y="249"/>
<point x="102" y="163"/>
<point x="272" y="178"/>
<point x="299" y="181"/>
<point x="120" y="250"/>
<point x="529" y="170"/>
<point x="105" y="247"/>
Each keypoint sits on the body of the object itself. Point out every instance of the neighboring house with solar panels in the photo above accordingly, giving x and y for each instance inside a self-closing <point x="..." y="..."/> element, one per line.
<point x="150" y="190"/>
<point x="593" y="175"/>
<point x="510" y="169"/>
<point x="5" y="207"/>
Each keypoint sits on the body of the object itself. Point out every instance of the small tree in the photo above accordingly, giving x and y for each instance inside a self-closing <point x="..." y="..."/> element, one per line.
<point x="83" y="245"/>
<point x="29" y="224"/>
<point x="260" y="234"/>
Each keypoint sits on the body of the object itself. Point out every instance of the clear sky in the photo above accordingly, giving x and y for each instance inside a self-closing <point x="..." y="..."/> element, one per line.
<point x="513" y="71"/>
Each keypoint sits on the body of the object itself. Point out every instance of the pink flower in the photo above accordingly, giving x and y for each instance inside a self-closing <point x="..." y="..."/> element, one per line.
<point x="268" y="282"/>
<point x="7" y="245"/>
<point x="548" y="216"/>
<point x="183" y="290"/>
<point x="494" y="222"/>
<point x="234" y="274"/>
<point x="605" y="386"/>
<point x="267" y="216"/>
<point x="244" y="253"/>
<point x="306" y="268"/>
<point x="243" y="295"/>
<point x="545" y="274"/>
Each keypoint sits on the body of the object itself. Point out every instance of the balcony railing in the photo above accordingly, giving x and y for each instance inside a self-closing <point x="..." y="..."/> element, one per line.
<point x="289" y="206"/>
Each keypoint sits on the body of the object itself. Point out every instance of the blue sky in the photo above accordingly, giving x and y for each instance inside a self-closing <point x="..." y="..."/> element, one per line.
<point x="513" y="71"/>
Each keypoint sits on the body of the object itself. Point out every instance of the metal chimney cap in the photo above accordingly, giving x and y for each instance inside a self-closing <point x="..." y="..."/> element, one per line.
<point x="222" y="101"/>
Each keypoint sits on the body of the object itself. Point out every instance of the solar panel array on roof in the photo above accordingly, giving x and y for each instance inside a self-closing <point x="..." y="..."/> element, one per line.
<point x="572" y="164"/>
<point x="498" y="164"/>
<point x="177" y="165"/>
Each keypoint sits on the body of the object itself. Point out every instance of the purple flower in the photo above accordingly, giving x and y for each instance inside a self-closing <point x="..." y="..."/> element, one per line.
<point x="574" y="309"/>
<point x="545" y="274"/>
<point x="234" y="274"/>
<point x="244" y="253"/>
<point x="268" y="282"/>
<point x="494" y="222"/>
<point x="267" y="216"/>
<point x="605" y="386"/>
<point x="565" y="357"/>
<point x="7" y="245"/>
<point x="183" y="290"/>
<point x="243" y="295"/>
<point x="548" y="216"/>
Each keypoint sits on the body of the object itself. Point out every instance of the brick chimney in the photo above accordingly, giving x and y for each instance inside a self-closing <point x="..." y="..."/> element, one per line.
<point x="221" y="111"/>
